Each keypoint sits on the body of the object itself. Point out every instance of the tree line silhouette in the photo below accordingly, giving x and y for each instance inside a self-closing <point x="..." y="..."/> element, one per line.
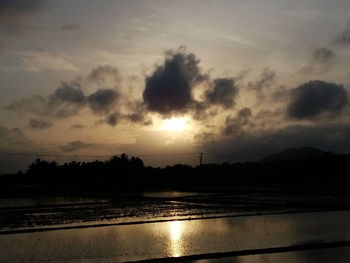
<point x="124" y="173"/>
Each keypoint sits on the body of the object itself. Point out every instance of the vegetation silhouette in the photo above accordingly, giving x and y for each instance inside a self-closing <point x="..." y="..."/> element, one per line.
<point x="305" y="167"/>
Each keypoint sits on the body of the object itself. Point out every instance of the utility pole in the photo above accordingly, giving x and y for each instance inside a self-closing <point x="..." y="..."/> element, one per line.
<point x="200" y="158"/>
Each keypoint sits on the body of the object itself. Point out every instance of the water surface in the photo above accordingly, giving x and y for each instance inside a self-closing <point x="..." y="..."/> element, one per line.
<point x="176" y="238"/>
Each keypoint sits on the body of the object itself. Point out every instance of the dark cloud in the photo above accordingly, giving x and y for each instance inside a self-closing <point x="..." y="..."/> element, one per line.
<point x="103" y="101"/>
<point x="75" y="145"/>
<point x="15" y="7"/>
<point x="113" y="119"/>
<point x="137" y="113"/>
<point x="267" y="78"/>
<point x="343" y="37"/>
<point x="67" y="100"/>
<point x="39" y="124"/>
<point x="222" y="93"/>
<point x="322" y="55"/>
<point x="14" y="14"/>
<point x="68" y="92"/>
<point x="70" y="27"/>
<point x="321" y="61"/>
<point x="317" y="98"/>
<point x="235" y="125"/>
<point x="169" y="89"/>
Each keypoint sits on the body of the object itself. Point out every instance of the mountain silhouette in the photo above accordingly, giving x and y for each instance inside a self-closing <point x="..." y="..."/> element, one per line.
<point x="295" y="154"/>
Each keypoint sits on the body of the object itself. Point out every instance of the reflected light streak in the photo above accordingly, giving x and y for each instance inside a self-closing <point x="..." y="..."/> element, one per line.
<point x="175" y="239"/>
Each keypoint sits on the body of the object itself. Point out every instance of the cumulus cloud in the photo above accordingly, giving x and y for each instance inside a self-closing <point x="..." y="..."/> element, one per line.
<point x="235" y="125"/>
<point x="69" y="98"/>
<point x="75" y="146"/>
<point x="317" y="98"/>
<point x="222" y="92"/>
<point x="39" y="124"/>
<point x="169" y="89"/>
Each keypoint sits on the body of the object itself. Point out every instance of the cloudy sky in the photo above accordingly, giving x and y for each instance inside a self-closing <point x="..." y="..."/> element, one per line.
<point x="237" y="80"/>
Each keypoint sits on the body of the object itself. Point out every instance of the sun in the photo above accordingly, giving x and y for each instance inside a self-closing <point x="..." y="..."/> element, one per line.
<point x="174" y="124"/>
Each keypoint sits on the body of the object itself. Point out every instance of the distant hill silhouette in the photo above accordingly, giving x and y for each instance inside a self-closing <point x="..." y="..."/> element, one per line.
<point x="292" y="154"/>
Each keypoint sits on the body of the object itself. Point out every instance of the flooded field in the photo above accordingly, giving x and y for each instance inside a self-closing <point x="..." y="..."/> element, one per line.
<point x="181" y="227"/>
<point x="176" y="238"/>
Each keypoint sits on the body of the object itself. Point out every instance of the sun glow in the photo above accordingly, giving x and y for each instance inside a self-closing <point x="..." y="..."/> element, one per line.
<point x="174" y="124"/>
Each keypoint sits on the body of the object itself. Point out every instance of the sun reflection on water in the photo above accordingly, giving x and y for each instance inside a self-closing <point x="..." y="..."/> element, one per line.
<point x="175" y="245"/>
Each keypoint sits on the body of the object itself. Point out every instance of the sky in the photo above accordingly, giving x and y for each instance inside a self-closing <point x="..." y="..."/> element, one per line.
<point x="165" y="80"/>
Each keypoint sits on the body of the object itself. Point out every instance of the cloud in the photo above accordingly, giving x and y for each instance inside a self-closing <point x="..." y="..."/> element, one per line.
<point x="169" y="89"/>
<point x="67" y="100"/>
<point x="222" y="93"/>
<point x="39" y="124"/>
<point x="317" y="98"/>
<point x="137" y="113"/>
<point x="104" y="73"/>
<point x="75" y="146"/>
<point x="321" y="61"/>
<point x="235" y="125"/>
<point x="15" y="14"/>
<point x="113" y="119"/>
<point x="343" y="38"/>
<point x="103" y="101"/>
<point x="322" y="55"/>
<point x="267" y="78"/>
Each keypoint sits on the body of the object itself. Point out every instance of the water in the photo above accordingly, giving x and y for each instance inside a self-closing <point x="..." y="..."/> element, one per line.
<point x="187" y="237"/>
<point x="48" y="200"/>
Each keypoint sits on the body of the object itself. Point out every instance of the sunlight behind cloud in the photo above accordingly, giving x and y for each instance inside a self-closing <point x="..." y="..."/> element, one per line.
<point x="174" y="124"/>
